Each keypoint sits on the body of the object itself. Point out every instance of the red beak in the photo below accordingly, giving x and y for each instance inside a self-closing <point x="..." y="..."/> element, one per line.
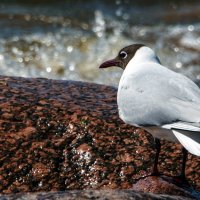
<point x="110" y="63"/>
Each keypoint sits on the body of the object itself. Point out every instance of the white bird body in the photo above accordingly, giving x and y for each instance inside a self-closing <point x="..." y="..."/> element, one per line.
<point x="161" y="101"/>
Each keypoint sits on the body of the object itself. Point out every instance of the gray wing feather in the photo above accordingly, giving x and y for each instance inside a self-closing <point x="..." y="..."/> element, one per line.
<point x="183" y="126"/>
<point x="158" y="96"/>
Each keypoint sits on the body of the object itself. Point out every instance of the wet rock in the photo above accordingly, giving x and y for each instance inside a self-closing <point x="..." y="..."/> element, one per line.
<point x="93" y="194"/>
<point x="64" y="135"/>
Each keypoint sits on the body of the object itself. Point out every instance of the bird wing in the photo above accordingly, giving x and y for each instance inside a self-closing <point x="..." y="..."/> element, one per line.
<point x="157" y="96"/>
<point x="183" y="96"/>
<point x="189" y="139"/>
<point x="180" y="125"/>
<point x="188" y="135"/>
<point x="188" y="109"/>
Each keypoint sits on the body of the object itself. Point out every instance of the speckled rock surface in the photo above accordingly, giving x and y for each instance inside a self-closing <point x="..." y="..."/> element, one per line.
<point x="61" y="135"/>
<point x="155" y="184"/>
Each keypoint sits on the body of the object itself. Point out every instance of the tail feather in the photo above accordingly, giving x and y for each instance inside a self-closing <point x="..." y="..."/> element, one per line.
<point x="189" y="139"/>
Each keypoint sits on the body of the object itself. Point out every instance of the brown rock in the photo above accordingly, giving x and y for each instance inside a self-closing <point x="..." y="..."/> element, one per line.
<point x="158" y="185"/>
<point x="60" y="135"/>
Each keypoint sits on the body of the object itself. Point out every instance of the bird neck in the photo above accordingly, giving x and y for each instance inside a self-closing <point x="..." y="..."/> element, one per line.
<point x="144" y="55"/>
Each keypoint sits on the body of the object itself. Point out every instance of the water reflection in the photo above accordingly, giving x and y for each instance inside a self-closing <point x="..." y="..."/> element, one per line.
<point x="68" y="41"/>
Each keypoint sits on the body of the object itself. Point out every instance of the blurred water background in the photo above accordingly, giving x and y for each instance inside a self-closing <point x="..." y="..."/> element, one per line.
<point x="69" y="39"/>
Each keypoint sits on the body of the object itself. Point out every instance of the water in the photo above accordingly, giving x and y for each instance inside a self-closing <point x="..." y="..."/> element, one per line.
<point x="68" y="40"/>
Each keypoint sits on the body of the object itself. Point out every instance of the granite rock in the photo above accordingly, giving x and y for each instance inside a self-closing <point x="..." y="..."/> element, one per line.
<point x="92" y="194"/>
<point x="64" y="135"/>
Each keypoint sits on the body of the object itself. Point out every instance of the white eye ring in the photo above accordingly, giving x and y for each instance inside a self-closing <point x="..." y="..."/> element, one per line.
<point x="123" y="54"/>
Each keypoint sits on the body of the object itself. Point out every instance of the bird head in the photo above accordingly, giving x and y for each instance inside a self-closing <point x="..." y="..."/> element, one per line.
<point x="123" y="57"/>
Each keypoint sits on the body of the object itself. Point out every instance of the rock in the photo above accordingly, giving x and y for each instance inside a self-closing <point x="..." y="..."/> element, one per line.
<point x="65" y="135"/>
<point x="93" y="194"/>
<point x="164" y="185"/>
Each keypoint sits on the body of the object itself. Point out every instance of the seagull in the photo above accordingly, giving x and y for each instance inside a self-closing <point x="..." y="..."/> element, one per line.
<point x="164" y="103"/>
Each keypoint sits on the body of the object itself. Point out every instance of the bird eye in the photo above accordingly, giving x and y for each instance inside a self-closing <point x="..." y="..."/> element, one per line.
<point x="123" y="54"/>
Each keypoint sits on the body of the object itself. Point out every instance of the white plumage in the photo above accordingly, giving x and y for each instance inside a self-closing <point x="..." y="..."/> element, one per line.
<point x="160" y="100"/>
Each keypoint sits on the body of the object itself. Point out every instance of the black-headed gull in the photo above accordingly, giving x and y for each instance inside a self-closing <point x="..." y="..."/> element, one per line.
<point x="157" y="99"/>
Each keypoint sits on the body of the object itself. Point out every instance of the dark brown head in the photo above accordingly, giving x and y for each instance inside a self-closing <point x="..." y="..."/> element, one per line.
<point x="123" y="58"/>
